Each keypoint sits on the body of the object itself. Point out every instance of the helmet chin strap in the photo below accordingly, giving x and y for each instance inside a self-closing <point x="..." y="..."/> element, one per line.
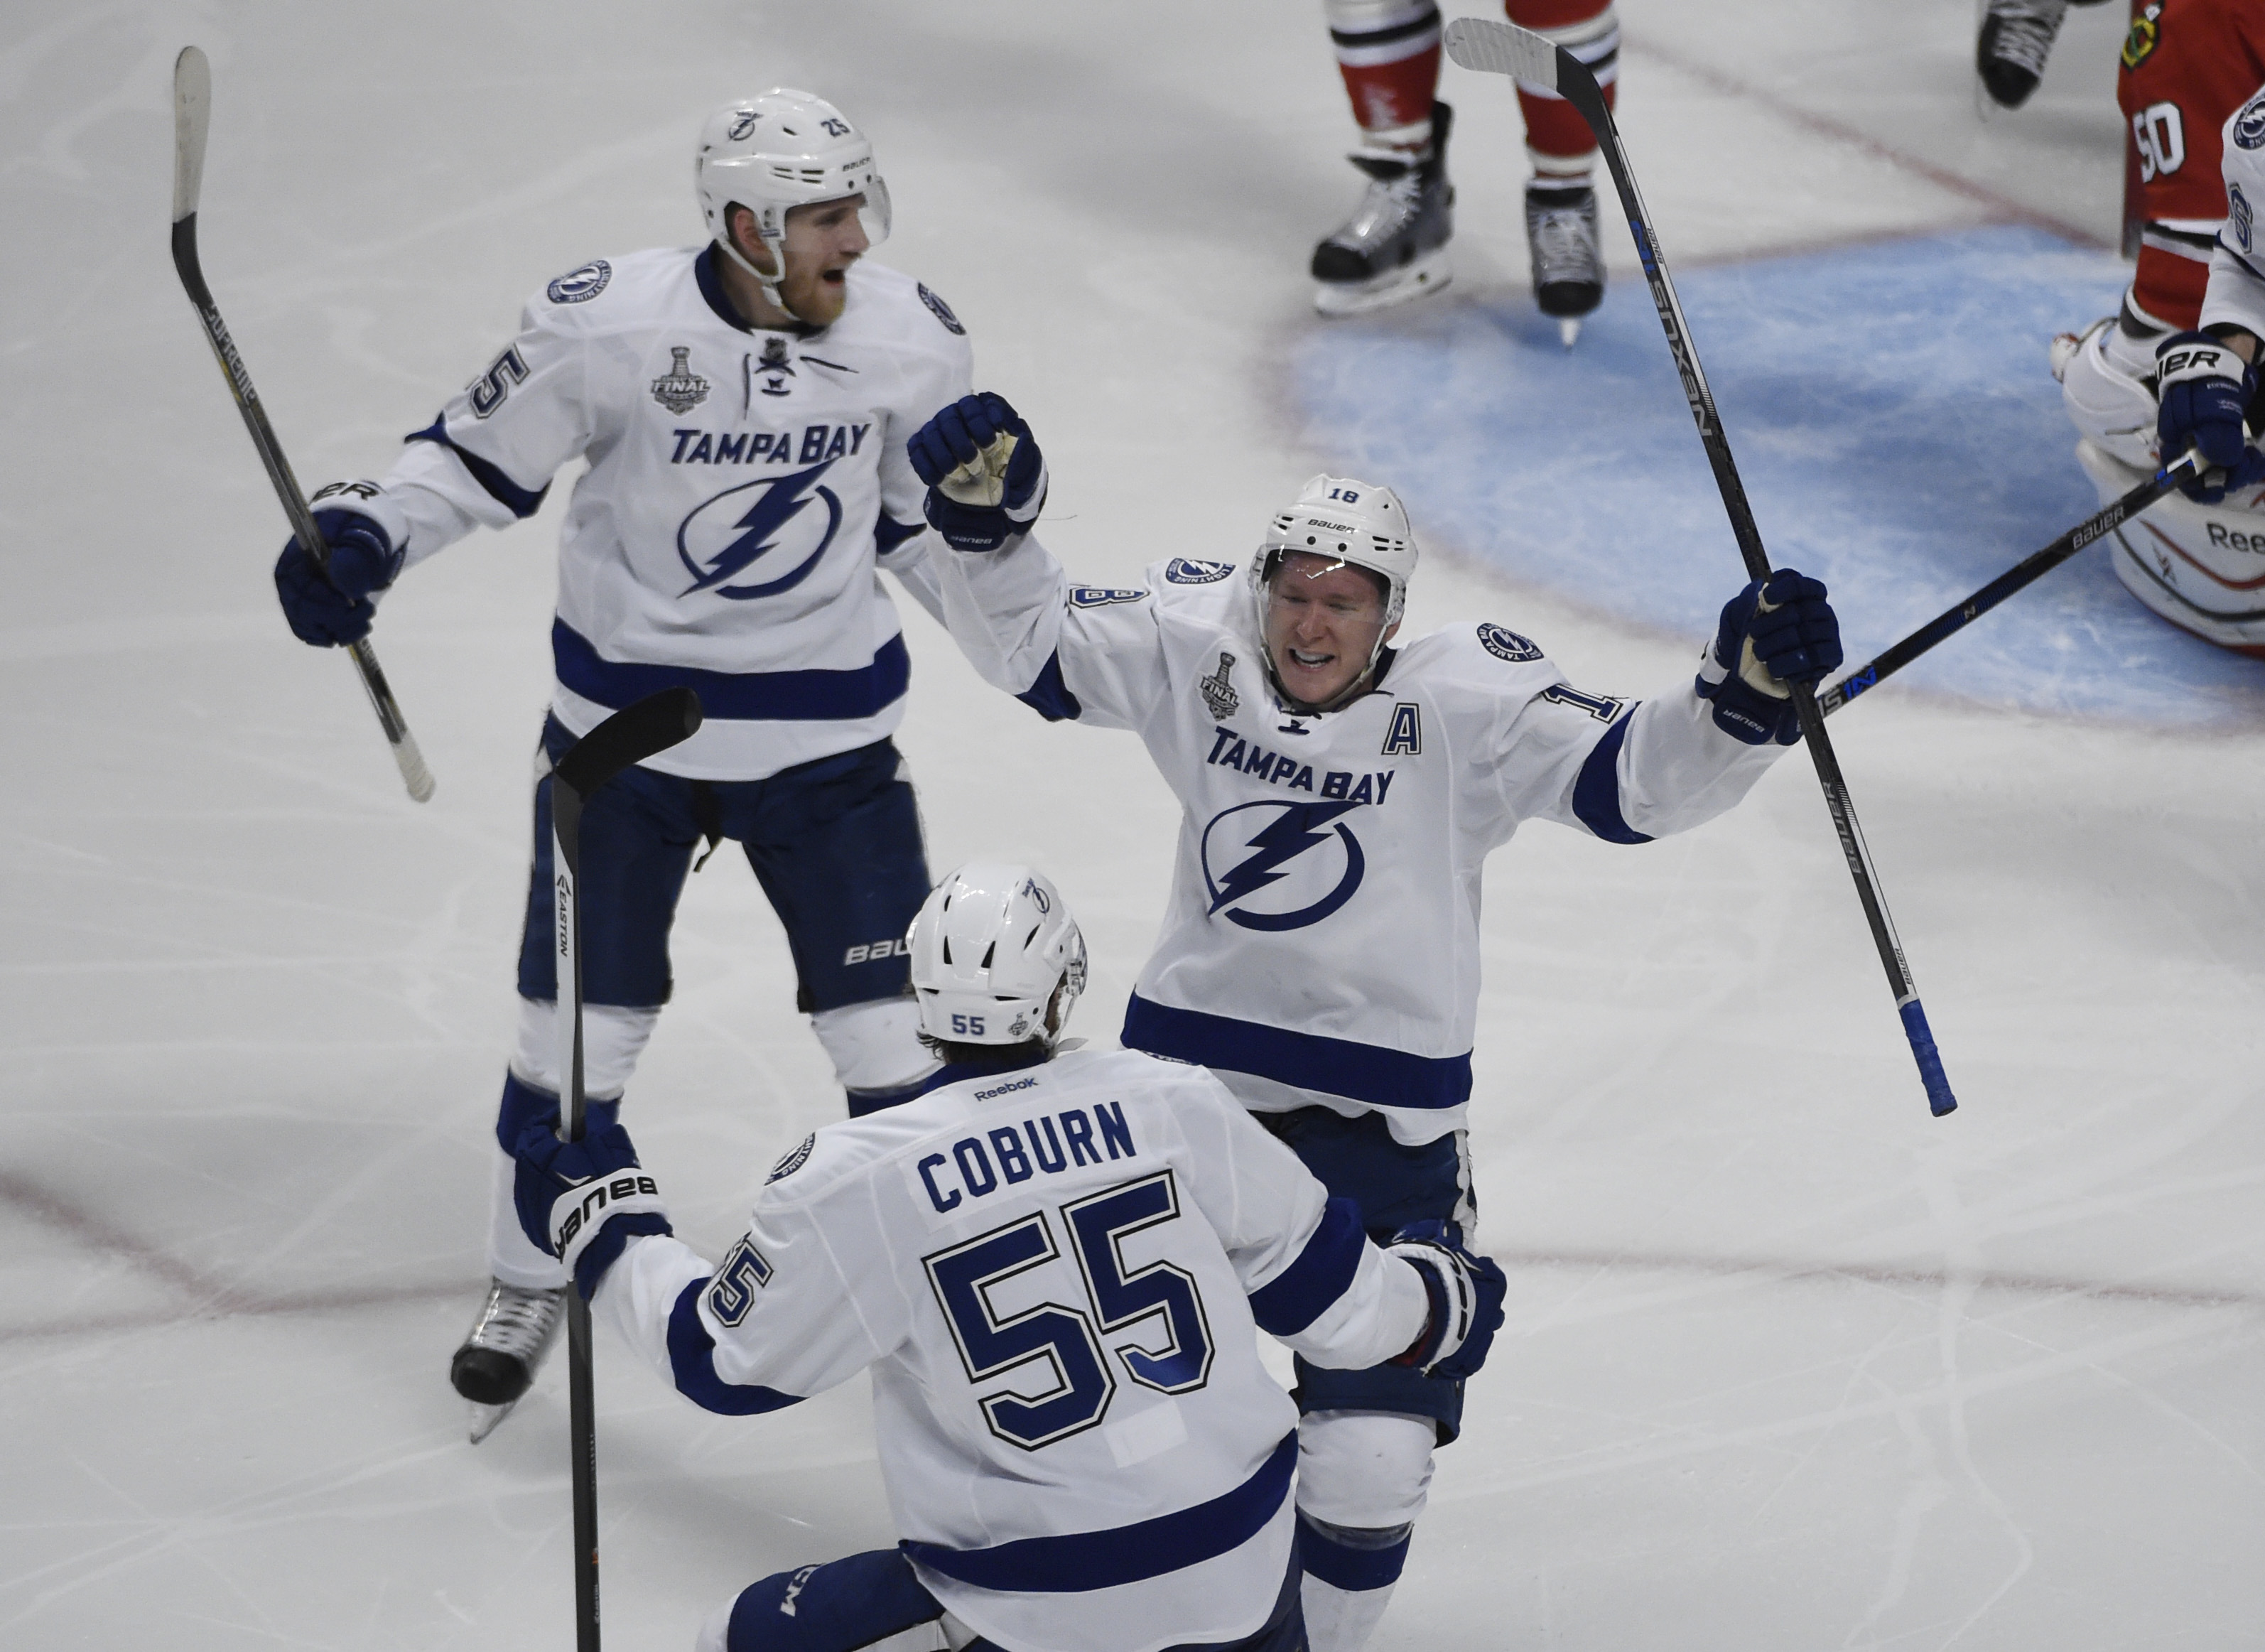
<point x="770" y="283"/>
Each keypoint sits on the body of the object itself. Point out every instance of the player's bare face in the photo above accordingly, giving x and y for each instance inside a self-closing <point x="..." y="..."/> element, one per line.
<point x="1323" y="618"/>
<point x="822" y="242"/>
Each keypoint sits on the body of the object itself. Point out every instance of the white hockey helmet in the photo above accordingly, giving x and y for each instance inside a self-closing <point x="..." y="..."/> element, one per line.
<point x="996" y="956"/>
<point x="776" y="150"/>
<point x="1349" y="522"/>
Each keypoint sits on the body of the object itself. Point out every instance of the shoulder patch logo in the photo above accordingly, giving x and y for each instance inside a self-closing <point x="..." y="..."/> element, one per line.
<point x="2146" y="33"/>
<point x="793" y="1161"/>
<point x="1187" y="570"/>
<point x="2249" y="125"/>
<point x="943" y="310"/>
<point x="580" y="287"/>
<point x="1218" y="692"/>
<point x="1095" y="596"/>
<point x="679" y="389"/>
<point x="1505" y="643"/>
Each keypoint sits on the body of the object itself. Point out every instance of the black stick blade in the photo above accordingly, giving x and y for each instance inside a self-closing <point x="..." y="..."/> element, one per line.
<point x="628" y="737"/>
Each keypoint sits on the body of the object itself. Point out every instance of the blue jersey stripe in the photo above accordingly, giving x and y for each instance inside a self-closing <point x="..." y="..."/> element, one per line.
<point x="1049" y="697"/>
<point x="1336" y="1067"/>
<point x="773" y="697"/>
<point x="1123" y="1554"/>
<point x="1597" y="790"/>
<point x="520" y="502"/>
<point x="692" y="1358"/>
<point x="1324" y="1271"/>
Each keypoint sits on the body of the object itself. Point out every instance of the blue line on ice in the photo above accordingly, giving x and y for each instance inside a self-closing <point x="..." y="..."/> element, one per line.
<point x="1891" y="412"/>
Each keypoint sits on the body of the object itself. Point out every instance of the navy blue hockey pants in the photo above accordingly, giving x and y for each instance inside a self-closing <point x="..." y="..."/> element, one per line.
<point x="852" y="1603"/>
<point x="835" y="844"/>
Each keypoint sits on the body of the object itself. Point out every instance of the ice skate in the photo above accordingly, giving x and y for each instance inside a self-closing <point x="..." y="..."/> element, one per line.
<point x="497" y="1364"/>
<point x="1395" y="246"/>
<point x="1569" y="260"/>
<point x="2010" y="51"/>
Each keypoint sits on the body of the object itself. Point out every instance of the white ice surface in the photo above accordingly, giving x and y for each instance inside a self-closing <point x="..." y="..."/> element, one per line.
<point x="1790" y="1365"/>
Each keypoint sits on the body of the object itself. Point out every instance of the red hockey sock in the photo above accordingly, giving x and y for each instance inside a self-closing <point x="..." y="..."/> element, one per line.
<point x="1388" y="52"/>
<point x="1558" y="141"/>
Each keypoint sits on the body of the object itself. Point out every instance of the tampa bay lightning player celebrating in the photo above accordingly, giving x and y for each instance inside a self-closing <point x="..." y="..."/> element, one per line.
<point x="1320" y="953"/>
<point x="1055" y="1264"/>
<point x="742" y="408"/>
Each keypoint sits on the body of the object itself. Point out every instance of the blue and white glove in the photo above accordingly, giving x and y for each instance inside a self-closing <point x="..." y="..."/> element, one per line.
<point x="364" y="560"/>
<point x="1467" y="1291"/>
<point x="2204" y="389"/>
<point x="986" y="479"/>
<point x="583" y="1202"/>
<point x="1774" y="632"/>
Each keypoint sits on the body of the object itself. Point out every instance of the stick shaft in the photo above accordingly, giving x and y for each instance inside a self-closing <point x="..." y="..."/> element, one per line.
<point x="582" y="1420"/>
<point x="192" y="101"/>
<point x="1486" y="45"/>
<point x="1968" y="609"/>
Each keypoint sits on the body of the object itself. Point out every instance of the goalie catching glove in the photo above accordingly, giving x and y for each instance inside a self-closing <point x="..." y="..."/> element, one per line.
<point x="987" y="480"/>
<point x="582" y="1201"/>
<point x="1465" y="1291"/>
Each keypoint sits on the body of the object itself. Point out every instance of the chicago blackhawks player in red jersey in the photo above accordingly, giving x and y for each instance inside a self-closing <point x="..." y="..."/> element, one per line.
<point x="1395" y="246"/>
<point x="2188" y="68"/>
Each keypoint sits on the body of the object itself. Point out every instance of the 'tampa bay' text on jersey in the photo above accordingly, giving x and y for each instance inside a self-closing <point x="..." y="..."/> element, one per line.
<point x="741" y="485"/>
<point x="1056" y="1273"/>
<point x="1322" y="944"/>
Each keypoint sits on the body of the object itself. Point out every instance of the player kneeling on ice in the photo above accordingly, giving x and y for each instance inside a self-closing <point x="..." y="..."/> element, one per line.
<point x="1055" y="1264"/>
<point x="1321" y="951"/>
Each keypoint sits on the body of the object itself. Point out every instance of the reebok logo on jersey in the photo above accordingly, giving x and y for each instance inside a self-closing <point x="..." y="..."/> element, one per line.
<point x="1004" y="1089"/>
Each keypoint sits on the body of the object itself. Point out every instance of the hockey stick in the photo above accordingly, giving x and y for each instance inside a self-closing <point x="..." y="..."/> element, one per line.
<point x="652" y="724"/>
<point x="2086" y="532"/>
<point x="191" y="121"/>
<point x="1500" y="49"/>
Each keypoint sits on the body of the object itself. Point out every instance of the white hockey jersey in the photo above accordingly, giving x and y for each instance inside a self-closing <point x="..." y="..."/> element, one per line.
<point x="1322" y="944"/>
<point x="2236" y="294"/>
<point x="1055" y="1273"/>
<point x="741" y="485"/>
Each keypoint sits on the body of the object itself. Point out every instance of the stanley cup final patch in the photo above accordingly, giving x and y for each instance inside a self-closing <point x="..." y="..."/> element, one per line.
<point x="679" y="389"/>
<point x="1218" y="692"/>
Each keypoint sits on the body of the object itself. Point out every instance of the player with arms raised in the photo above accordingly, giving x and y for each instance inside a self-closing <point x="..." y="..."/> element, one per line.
<point x="742" y="407"/>
<point x="1320" y="952"/>
<point x="1055" y="1265"/>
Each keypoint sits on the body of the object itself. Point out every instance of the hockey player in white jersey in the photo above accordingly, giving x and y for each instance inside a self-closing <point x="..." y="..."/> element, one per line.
<point x="742" y="408"/>
<point x="1055" y="1265"/>
<point x="1320" y="950"/>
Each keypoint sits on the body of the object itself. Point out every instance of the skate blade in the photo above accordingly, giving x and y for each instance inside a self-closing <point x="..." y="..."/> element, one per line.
<point x="486" y="1417"/>
<point x="1426" y="275"/>
<point x="1569" y="331"/>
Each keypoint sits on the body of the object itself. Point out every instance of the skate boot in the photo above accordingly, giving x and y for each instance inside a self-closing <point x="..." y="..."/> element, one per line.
<point x="2010" y="52"/>
<point x="1395" y="246"/>
<point x="1568" y="261"/>
<point x="497" y="1364"/>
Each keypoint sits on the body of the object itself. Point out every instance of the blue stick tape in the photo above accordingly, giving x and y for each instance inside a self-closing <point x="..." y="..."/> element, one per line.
<point x="1939" y="1098"/>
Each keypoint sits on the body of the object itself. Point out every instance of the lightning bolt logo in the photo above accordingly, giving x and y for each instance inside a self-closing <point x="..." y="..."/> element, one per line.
<point x="1293" y="829"/>
<point x="778" y="501"/>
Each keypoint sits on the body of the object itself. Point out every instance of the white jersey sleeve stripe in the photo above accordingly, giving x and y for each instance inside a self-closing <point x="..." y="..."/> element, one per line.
<point x="1076" y="1562"/>
<point x="692" y="1364"/>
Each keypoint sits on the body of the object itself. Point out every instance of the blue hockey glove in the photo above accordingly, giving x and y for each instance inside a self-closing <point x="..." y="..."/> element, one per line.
<point x="583" y="1202"/>
<point x="986" y="479"/>
<point x="1467" y="1291"/>
<point x="2204" y="389"/>
<point x="1772" y="633"/>
<point x="336" y="610"/>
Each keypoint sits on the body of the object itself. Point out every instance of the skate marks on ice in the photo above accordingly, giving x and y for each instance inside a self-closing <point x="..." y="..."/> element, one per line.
<point x="1893" y="416"/>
